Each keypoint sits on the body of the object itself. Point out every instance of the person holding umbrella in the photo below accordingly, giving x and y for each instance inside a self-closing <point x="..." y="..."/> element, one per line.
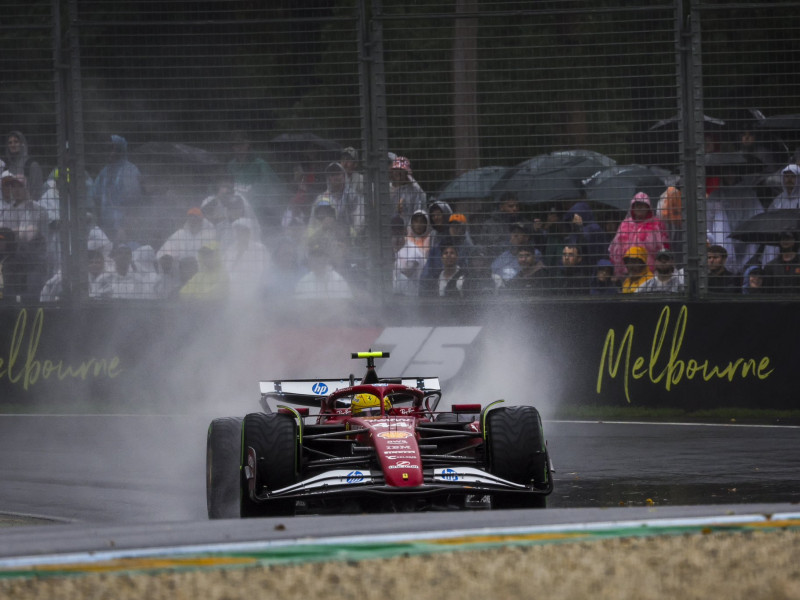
<point x="640" y="228"/>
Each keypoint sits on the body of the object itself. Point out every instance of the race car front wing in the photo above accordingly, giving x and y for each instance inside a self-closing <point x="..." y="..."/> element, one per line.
<point x="442" y="480"/>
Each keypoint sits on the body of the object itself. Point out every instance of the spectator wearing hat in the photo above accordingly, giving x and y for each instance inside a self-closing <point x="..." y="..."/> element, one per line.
<point x="720" y="279"/>
<point x="458" y="234"/>
<point x="405" y="194"/>
<point x="638" y="273"/>
<point x="666" y="279"/>
<point x="187" y="241"/>
<point x="506" y="266"/>
<point x="641" y="229"/>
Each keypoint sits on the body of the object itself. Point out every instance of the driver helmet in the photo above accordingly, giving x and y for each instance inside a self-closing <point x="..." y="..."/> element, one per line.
<point x="368" y="404"/>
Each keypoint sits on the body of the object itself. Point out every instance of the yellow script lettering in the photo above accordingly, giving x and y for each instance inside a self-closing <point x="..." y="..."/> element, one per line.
<point x="676" y="368"/>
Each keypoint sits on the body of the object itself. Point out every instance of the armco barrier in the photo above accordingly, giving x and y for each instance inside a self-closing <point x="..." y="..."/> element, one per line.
<point x="136" y="358"/>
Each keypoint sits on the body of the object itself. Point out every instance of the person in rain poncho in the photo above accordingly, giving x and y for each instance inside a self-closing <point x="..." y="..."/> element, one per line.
<point x="117" y="191"/>
<point x="790" y="194"/>
<point x="211" y="282"/>
<point x="640" y="228"/>
<point x="420" y="232"/>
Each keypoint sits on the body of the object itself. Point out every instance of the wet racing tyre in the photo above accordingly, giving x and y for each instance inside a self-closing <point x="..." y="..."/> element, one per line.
<point x="223" y="460"/>
<point x="516" y="451"/>
<point x="273" y="440"/>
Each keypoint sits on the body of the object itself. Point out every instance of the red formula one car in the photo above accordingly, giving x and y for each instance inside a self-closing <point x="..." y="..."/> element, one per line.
<point x="375" y="445"/>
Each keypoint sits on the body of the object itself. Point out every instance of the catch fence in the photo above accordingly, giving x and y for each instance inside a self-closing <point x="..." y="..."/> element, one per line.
<point x="280" y="151"/>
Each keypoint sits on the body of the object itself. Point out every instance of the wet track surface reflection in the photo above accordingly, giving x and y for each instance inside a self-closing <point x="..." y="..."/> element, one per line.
<point x="114" y="469"/>
<point x="639" y="464"/>
<point x="583" y="494"/>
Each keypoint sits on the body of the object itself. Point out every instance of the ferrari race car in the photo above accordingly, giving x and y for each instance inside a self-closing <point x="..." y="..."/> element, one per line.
<point x="378" y="445"/>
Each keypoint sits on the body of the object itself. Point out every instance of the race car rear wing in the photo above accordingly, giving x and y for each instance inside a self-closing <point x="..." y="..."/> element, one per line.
<point x="311" y="392"/>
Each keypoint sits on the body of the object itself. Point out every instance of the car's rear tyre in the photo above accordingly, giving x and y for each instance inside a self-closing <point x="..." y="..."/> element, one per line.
<point x="223" y="460"/>
<point x="273" y="440"/>
<point x="516" y="451"/>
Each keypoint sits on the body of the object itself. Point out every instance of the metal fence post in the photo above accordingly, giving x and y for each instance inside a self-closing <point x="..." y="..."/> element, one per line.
<point x="75" y="162"/>
<point x="691" y="140"/>
<point x="375" y="133"/>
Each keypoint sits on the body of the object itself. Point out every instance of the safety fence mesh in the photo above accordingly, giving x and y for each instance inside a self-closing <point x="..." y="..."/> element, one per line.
<point x="268" y="152"/>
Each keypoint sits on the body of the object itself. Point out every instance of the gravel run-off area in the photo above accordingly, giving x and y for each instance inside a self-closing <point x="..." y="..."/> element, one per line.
<point x="751" y="565"/>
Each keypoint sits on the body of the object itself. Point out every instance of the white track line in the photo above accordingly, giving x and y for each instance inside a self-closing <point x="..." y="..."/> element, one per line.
<point x="95" y="557"/>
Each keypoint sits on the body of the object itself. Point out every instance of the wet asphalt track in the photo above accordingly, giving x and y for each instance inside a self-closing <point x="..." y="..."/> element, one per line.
<point x="107" y="472"/>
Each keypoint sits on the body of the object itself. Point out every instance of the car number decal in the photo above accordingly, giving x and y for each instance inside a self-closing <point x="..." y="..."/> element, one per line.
<point x="394" y="435"/>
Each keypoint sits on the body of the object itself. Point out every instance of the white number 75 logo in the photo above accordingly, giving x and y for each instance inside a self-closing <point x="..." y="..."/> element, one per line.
<point x="426" y="351"/>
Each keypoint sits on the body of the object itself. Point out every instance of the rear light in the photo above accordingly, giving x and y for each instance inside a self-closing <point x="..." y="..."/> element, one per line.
<point x="301" y="410"/>
<point x="466" y="408"/>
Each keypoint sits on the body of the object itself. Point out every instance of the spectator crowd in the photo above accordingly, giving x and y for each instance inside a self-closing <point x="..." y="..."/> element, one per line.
<point x="245" y="240"/>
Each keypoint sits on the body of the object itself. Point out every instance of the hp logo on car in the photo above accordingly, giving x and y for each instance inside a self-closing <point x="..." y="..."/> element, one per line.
<point x="355" y="477"/>
<point x="319" y="388"/>
<point x="449" y="475"/>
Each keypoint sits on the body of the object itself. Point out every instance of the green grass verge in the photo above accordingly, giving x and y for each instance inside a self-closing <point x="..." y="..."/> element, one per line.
<point x="716" y="415"/>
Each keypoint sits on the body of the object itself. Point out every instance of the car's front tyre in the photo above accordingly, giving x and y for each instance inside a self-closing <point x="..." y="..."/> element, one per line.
<point x="270" y="455"/>
<point x="516" y="451"/>
<point x="223" y="460"/>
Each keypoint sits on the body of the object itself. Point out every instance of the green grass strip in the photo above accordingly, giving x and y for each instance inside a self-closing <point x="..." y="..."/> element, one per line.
<point x="356" y="552"/>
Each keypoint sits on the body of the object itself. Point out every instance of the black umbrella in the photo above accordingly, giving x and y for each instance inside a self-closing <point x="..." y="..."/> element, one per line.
<point x="780" y="122"/>
<point x="659" y="145"/>
<point x="767" y="227"/>
<point x="737" y="163"/>
<point x="536" y="188"/>
<point x="579" y="164"/>
<point x="673" y="122"/>
<point x="169" y="153"/>
<point x="618" y="185"/>
<point x="474" y="184"/>
<point x="304" y="141"/>
<point x="554" y="176"/>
